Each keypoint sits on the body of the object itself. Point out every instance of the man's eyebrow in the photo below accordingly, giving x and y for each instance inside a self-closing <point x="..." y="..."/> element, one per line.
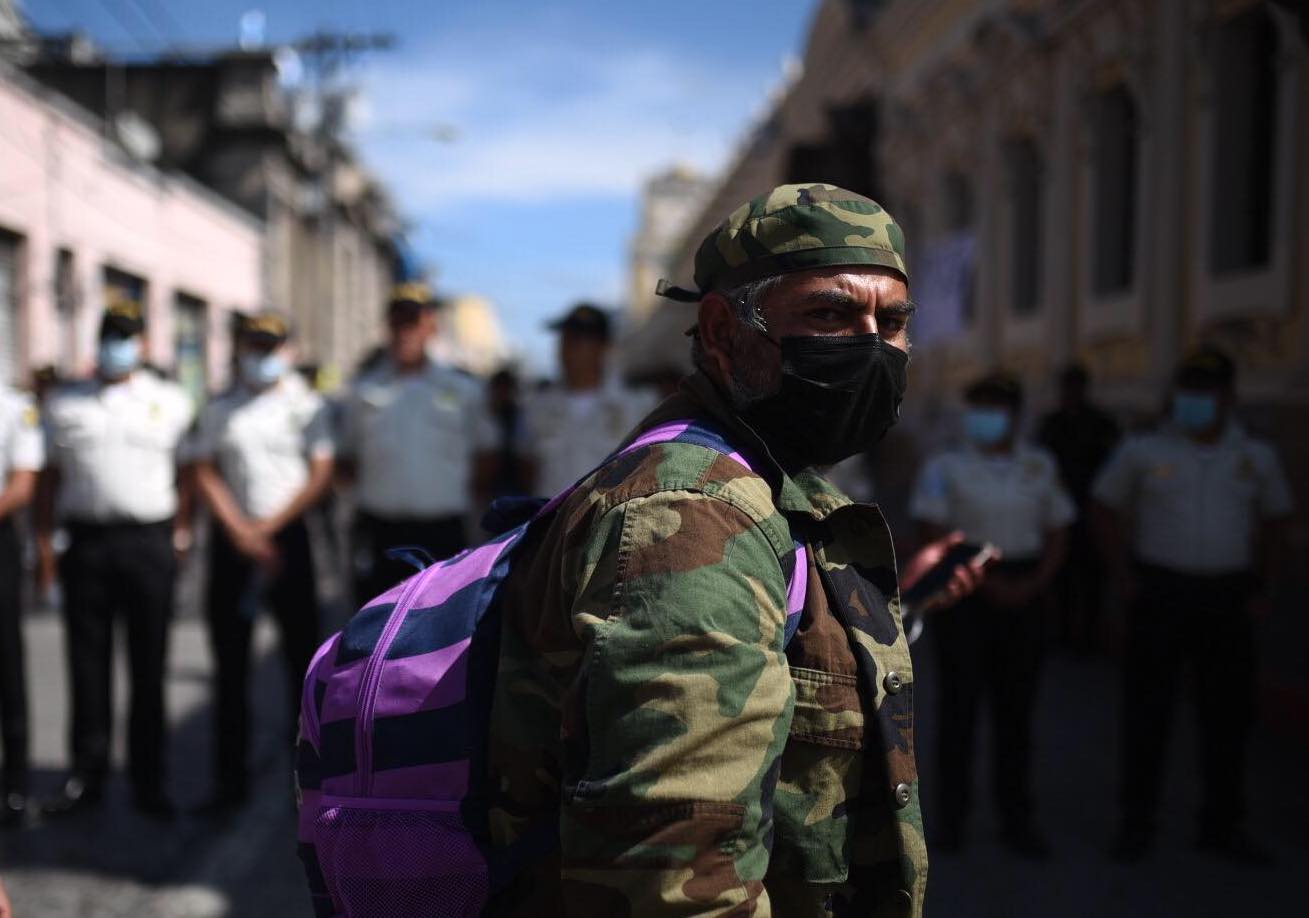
<point x="905" y="307"/>
<point x="833" y="298"/>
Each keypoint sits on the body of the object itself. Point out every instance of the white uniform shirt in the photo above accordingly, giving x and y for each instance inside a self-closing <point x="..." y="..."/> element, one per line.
<point x="22" y="447"/>
<point x="1196" y="506"/>
<point x="1010" y="500"/>
<point x="115" y="447"/>
<point x="262" y="442"/>
<point x="412" y="437"/>
<point x="569" y="433"/>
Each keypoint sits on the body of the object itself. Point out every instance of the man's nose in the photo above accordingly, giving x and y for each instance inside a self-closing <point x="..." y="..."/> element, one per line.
<point x="867" y="324"/>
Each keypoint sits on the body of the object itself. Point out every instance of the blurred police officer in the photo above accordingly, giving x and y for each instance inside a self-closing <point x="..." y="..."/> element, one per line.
<point x="573" y="426"/>
<point x="112" y="443"/>
<point x="264" y="457"/>
<point x="1000" y="490"/>
<point x="1208" y="504"/>
<point x="22" y="453"/>
<point x="504" y="468"/>
<point x="409" y="433"/>
<point x="1081" y="437"/>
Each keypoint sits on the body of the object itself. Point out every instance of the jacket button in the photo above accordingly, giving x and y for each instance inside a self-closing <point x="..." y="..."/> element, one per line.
<point x="892" y="683"/>
<point x="903" y="794"/>
<point x="904" y="901"/>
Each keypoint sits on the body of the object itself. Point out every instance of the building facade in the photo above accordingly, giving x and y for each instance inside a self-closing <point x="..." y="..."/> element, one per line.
<point x="79" y="217"/>
<point x="668" y="202"/>
<point x="1104" y="181"/>
<point x="227" y="121"/>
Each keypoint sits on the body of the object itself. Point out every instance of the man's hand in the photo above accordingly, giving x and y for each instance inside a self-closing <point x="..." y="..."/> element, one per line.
<point x="964" y="579"/>
<point x="252" y="541"/>
<point x="6" y="909"/>
<point x="183" y="541"/>
<point x="47" y="564"/>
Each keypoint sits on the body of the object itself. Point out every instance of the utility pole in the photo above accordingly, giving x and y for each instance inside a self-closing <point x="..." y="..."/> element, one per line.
<point x="324" y="56"/>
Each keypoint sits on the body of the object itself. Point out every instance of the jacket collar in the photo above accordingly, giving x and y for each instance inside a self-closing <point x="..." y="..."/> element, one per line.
<point x="805" y="492"/>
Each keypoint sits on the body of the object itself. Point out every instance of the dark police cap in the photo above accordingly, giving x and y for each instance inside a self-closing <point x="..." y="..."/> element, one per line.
<point x="410" y="297"/>
<point x="124" y="317"/>
<point x="263" y="327"/>
<point x="1206" y="368"/>
<point x="996" y="388"/>
<point x="583" y="319"/>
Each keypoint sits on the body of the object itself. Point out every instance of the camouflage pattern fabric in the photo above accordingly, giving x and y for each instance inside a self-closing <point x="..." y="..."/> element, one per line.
<point x="794" y="228"/>
<point x="646" y="706"/>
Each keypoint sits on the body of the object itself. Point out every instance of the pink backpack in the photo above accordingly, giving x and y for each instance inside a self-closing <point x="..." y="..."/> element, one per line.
<point x="395" y="709"/>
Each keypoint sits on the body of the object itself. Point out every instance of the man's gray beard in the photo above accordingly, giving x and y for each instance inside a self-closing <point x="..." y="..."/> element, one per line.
<point x="751" y="379"/>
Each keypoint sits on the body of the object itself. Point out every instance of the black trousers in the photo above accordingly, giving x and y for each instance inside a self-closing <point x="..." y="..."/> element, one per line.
<point x="113" y="570"/>
<point x="13" y="685"/>
<point x="375" y="573"/>
<point x="994" y="652"/>
<point x="1079" y="590"/>
<point x="1181" y="622"/>
<point x="237" y="590"/>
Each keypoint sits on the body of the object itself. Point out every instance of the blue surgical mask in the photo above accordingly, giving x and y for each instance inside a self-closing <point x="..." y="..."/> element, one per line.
<point x="261" y="370"/>
<point x="986" y="426"/>
<point x="1194" y="412"/>
<point x="119" y="356"/>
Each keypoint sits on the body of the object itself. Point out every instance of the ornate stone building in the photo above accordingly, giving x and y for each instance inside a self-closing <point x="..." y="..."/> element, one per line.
<point x="1108" y="181"/>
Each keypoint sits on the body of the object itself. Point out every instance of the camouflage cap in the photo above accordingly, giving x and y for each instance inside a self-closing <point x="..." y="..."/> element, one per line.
<point x="794" y="228"/>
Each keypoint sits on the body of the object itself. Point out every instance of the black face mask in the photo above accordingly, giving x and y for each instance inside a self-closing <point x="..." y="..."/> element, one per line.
<point x="840" y="394"/>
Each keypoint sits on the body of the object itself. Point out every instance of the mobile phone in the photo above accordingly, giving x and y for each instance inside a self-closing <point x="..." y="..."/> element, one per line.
<point x="937" y="577"/>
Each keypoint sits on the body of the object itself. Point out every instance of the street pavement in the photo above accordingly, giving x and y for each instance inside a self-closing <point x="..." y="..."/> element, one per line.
<point x="1076" y="784"/>
<point x="115" y="863"/>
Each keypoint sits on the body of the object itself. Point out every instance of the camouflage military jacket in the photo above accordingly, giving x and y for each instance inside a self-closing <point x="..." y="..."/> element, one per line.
<point x="646" y="705"/>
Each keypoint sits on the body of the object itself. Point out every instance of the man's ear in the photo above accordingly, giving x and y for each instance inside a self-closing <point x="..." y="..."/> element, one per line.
<point x="717" y="325"/>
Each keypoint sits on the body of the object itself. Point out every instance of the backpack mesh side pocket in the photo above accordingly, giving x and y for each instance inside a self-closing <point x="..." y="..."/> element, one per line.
<point x="411" y="860"/>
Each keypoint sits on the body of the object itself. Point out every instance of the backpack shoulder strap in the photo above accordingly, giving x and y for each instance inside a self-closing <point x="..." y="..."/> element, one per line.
<point x="699" y="434"/>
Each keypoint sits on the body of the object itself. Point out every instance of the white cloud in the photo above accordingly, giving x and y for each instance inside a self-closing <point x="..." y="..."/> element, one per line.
<point x="537" y="118"/>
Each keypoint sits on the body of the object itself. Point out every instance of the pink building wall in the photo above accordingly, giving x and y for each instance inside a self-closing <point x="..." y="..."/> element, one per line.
<point x="64" y="185"/>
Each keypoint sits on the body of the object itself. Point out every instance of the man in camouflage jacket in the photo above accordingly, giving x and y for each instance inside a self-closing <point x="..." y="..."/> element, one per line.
<point x="646" y="701"/>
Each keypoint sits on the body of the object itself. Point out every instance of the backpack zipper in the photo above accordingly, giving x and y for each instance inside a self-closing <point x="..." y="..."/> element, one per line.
<point x="367" y="698"/>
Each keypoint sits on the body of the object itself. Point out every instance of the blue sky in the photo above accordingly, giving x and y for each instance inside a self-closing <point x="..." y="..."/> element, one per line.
<point x="558" y="111"/>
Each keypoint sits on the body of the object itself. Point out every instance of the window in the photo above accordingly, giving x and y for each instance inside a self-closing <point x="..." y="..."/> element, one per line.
<point x="958" y="207"/>
<point x="120" y="283"/>
<point x="1026" y="175"/>
<point x="958" y="202"/>
<point x="67" y="297"/>
<point x="906" y="215"/>
<point x="1114" y="132"/>
<point x="845" y="157"/>
<point x="1245" y="86"/>
<point x="11" y="355"/>
<point x="190" y="345"/>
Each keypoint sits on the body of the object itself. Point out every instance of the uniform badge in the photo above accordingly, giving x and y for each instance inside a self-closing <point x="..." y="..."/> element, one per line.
<point x="156" y="411"/>
<point x="1246" y="471"/>
<point x="447" y="400"/>
<point x="31" y="416"/>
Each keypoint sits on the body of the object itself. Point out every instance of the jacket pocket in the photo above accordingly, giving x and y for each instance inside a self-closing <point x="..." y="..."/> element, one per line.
<point x="821" y="769"/>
